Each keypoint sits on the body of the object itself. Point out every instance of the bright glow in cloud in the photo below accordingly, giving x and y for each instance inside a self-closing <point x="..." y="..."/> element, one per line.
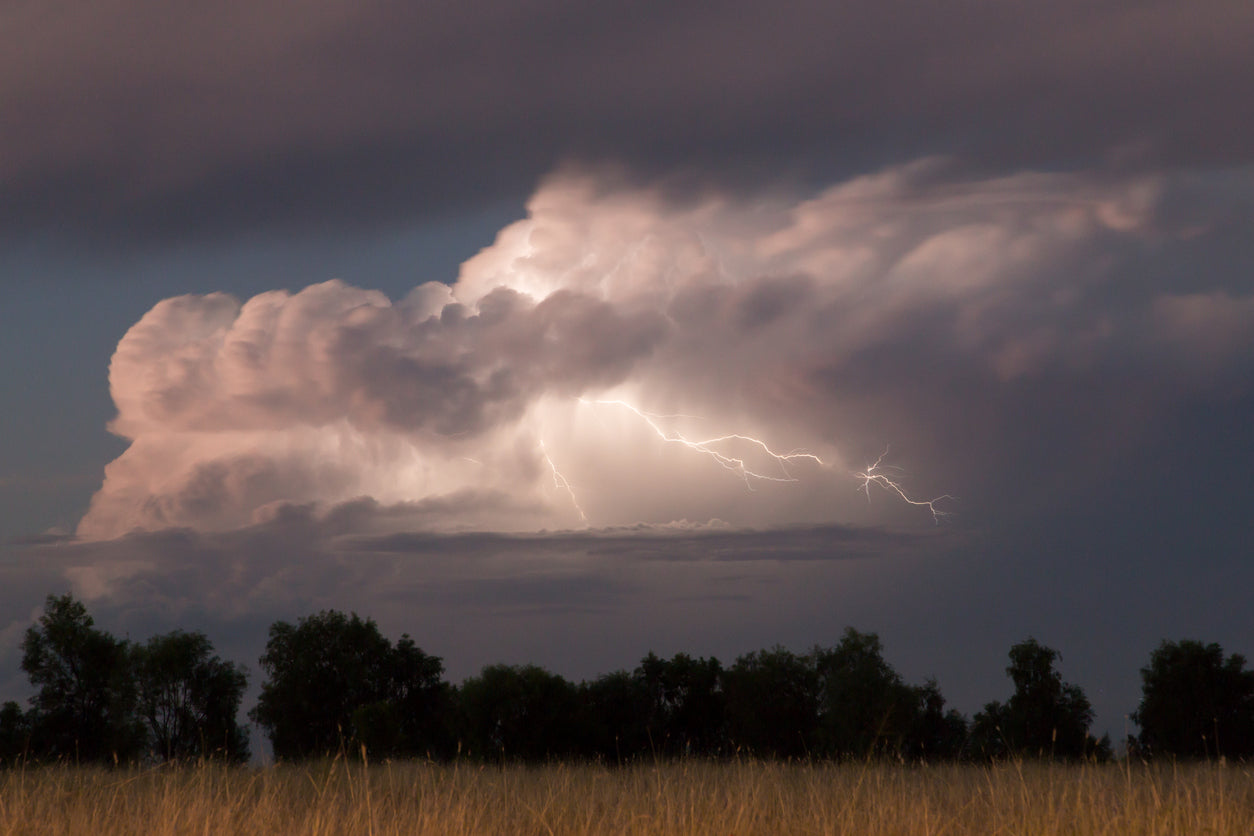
<point x="777" y="340"/>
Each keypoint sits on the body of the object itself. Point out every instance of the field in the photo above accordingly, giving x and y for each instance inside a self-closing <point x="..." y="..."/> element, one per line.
<point x="694" y="797"/>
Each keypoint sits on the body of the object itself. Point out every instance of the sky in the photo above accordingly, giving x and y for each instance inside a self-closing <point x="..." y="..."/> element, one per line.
<point x="559" y="333"/>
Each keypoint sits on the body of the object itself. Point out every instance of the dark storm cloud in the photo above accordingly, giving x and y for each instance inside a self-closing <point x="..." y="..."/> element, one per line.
<point x="127" y="118"/>
<point x="298" y="558"/>
<point x="665" y="544"/>
<point x="466" y="586"/>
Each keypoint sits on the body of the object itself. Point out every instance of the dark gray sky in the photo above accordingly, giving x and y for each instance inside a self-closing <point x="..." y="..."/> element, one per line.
<point x="629" y="299"/>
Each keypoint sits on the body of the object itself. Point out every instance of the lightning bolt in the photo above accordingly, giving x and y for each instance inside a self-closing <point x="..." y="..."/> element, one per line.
<point x="562" y="483"/>
<point x="873" y="474"/>
<point x="706" y="447"/>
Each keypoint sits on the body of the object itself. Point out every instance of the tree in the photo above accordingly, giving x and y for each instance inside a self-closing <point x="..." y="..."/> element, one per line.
<point x="84" y="708"/>
<point x="14" y="734"/>
<point x="615" y="708"/>
<point x="423" y="700"/>
<point x="1195" y="703"/>
<point x="415" y="717"/>
<point x="772" y="703"/>
<point x="988" y="740"/>
<point x="864" y="707"/>
<point x="519" y="713"/>
<point x="189" y="698"/>
<point x="331" y="673"/>
<point x="1044" y="717"/>
<point x="686" y="703"/>
<point x="934" y="733"/>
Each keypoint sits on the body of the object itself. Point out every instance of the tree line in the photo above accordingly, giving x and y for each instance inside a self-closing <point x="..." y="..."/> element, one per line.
<point x="334" y="683"/>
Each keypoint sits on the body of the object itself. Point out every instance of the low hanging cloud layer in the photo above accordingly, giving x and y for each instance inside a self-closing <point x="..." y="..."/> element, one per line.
<point x="572" y="374"/>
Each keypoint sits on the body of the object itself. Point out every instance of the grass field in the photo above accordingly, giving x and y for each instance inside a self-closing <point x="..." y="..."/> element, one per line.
<point x="683" y="798"/>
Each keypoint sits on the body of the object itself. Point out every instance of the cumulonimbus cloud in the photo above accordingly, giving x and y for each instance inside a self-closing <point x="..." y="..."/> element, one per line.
<point x="570" y="373"/>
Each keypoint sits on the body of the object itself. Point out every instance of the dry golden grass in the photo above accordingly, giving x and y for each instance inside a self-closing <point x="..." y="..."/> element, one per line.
<point x="682" y="798"/>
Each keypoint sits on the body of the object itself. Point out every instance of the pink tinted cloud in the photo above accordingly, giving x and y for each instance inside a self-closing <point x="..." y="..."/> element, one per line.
<point x="829" y="325"/>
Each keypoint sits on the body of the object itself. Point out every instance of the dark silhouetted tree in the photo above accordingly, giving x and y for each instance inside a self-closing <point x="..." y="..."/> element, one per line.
<point x="84" y="708"/>
<point x="686" y="713"/>
<point x="519" y="713"/>
<point x="14" y="734"/>
<point x="1195" y="703"/>
<point x="934" y="733"/>
<point x="864" y="707"/>
<point x="423" y="700"/>
<point x="416" y="716"/>
<point x="1045" y="717"/>
<point x="772" y="703"/>
<point x="988" y="740"/>
<point x="615" y="710"/>
<point x="333" y="670"/>
<point x="189" y="698"/>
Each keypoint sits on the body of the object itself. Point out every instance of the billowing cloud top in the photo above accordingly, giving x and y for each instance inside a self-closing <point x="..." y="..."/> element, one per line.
<point x="622" y="355"/>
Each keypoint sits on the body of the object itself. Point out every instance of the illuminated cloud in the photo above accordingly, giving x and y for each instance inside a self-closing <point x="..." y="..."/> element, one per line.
<point x="577" y="371"/>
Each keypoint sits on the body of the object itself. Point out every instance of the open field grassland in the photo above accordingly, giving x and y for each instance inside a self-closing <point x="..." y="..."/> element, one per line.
<point x="682" y="798"/>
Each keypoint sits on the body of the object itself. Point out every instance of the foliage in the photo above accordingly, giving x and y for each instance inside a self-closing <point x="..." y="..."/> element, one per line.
<point x="189" y="698"/>
<point x="519" y="713"/>
<point x="615" y="709"/>
<point x="772" y="704"/>
<point x="864" y="707"/>
<point x="84" y="708"/>
<point x="334" y="683"/>
<point x="1195" y="703"/>
<point x="1045" y="717"/>
<point x="333" y="679"/>
<point x="934" y="733"/>
<point x="14" y="734"/>
<point x="416" y="716"/>
<point x="686" y="703"/>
